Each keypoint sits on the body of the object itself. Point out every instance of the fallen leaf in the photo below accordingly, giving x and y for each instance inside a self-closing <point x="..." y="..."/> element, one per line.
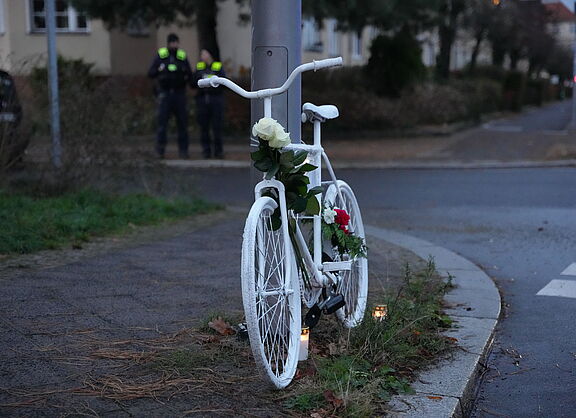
<point x="332" y="399"/>
<point x="308" y="371"/>
<point x="435" y="398"/>
<point x="221" y="327"/>
<point x="454" y="340"/>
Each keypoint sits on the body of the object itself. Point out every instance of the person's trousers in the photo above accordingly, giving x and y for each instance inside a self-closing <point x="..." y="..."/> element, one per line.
<point x="172" y="102"/>
<point x="210" y="114"/>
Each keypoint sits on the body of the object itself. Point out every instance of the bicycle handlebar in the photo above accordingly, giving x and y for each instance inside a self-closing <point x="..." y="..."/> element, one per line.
<point x="314" y="65"/>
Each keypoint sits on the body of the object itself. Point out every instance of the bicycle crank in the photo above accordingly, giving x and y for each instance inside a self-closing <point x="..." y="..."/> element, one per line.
<point x="331" y="303"/>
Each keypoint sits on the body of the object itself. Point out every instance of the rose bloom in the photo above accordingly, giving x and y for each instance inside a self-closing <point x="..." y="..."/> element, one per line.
<point x="342" y="218"/>
<point x="264" y="128"/>
<point x="329" y="215"/>
<point x="270" y="130"/>
<point x="345" y="229"/>
<point x="280" y="138"/>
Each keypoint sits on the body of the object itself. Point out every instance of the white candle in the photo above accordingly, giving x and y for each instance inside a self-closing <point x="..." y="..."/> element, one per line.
<point x="304" y="338"/>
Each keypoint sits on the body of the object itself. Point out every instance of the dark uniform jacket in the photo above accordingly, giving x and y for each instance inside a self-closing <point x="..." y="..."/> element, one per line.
<point x="204" y="70"/>
<point x="171" y="68"/>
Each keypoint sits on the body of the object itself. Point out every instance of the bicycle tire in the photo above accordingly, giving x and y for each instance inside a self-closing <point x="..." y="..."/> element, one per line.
<point x="273" y="319"/>
<point x="354" y="283"/>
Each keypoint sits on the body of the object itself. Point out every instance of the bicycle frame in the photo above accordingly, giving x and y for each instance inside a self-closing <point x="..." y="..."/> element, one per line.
<point x="316" y="156"/>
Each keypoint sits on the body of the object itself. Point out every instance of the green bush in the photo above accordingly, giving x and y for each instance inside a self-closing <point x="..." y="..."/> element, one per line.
<point x="395" y="63"/>
<point x="513" y="90"/>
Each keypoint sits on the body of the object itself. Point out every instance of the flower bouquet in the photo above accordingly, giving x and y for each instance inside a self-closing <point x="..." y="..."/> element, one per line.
<point x="336" y="229"/>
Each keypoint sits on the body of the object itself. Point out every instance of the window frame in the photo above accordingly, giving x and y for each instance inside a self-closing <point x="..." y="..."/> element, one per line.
<point x="70" y="13"/>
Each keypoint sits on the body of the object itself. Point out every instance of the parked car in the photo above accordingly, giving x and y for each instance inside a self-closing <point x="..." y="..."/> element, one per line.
<point x="12" y="145"/>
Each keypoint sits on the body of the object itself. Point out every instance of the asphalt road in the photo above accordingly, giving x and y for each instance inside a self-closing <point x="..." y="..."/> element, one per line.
<point x="517" y="224"/>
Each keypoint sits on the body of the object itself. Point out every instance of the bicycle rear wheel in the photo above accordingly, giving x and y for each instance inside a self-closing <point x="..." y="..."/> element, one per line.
<point x="353" y="284"/>
<point x="271" y="295"/>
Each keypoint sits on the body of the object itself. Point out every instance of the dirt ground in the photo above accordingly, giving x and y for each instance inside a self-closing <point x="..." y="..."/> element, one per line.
<point x="118" y="328"/>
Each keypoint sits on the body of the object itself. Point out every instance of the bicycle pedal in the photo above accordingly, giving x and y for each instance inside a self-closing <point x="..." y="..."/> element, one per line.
<point x="241" y="331"/>
<point x="313" y="316"/>
<point x="333" y="303"/>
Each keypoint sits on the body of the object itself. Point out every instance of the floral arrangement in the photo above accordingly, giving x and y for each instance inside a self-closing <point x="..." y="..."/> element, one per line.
<point x="336" y="229"/>
<point x="289" y="167"/>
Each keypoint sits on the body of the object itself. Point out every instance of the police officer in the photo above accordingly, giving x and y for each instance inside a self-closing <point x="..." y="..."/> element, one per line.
<point x="209" y="104"/>
<point x="172" y="71"/>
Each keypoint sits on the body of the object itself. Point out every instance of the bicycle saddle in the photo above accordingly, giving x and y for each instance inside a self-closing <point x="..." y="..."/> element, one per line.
<point x="312" y="112"/>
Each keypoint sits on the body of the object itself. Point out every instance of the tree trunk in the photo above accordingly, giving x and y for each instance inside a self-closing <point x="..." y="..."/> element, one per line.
<point x="206" y="20"/>
<point x="498" y="55"/>
<point x="514" y="58"/>
<point x="447" y="34"/>
<point x="476" y="50"/>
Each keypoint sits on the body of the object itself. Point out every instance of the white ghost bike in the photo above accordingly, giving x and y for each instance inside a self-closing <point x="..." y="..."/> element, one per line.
<point x="272" y="284"/>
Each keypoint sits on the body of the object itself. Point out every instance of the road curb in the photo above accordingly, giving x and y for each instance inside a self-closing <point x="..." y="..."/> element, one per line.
<point x="447" y="390"/>
<point x="436" y="165"/>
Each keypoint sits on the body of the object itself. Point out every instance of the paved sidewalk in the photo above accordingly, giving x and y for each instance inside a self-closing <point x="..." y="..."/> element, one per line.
<point x="513" y="140"/>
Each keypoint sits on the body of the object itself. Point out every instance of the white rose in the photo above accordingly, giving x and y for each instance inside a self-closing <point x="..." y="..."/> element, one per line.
<point x="270" y="130"/>
<point x="265" y="128"/>
<point x="329" y="215"/>
<point x="280" y="138"/>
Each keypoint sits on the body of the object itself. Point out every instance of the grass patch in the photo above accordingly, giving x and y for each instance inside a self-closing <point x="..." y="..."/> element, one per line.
<point x="355" y="372"/>
<point x="30" y="224"/>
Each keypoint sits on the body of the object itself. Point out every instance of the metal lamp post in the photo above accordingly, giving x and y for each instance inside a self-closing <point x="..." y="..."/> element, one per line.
<point x="53" y="83"/>
<point x="276" y="51"/>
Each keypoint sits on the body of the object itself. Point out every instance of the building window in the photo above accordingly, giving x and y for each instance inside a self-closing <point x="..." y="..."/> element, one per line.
<point x="333" y="38"/>
<point x="311" y="40"/>
<point x="67" y="18"/>
<point x="356" y="46"/>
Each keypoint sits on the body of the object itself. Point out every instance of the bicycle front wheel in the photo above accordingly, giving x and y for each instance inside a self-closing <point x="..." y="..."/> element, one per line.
<point x="271" y="295"/>
<point x="353" y="283"/>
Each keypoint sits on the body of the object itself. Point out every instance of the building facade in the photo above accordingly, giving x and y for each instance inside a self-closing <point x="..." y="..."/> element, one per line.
<point x="130" y="51"/>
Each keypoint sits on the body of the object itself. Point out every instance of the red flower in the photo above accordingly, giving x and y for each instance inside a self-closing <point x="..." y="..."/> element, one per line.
<point x="345" y="229"/>
<point x="341" y="218"/>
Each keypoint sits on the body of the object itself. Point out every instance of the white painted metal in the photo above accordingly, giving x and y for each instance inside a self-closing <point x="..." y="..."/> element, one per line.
<point x="271" y="295"/>
<point x="570" y="270"/>
<point x="259" y="94"/>
<point x="271" y="285"/>
<point x="336" y="265"/>
<point x="353" y="283"/>
<point x="312" y="112"/>
<point x="561" y="288"/>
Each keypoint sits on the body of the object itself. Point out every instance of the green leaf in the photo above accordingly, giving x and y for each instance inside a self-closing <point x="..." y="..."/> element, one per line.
<point x="276" y="220"/>
<point x="299" y="205"/>
<point x="315" y="190"/>
<point x="300" y="157"/>
<point x="272" y="171"/>
<point x="306" y="168"/>
<point x="313" y="206"/>
<point x="264" y="165"/>
<point x="258" y="155"/>
<point x="286" y="158"/>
